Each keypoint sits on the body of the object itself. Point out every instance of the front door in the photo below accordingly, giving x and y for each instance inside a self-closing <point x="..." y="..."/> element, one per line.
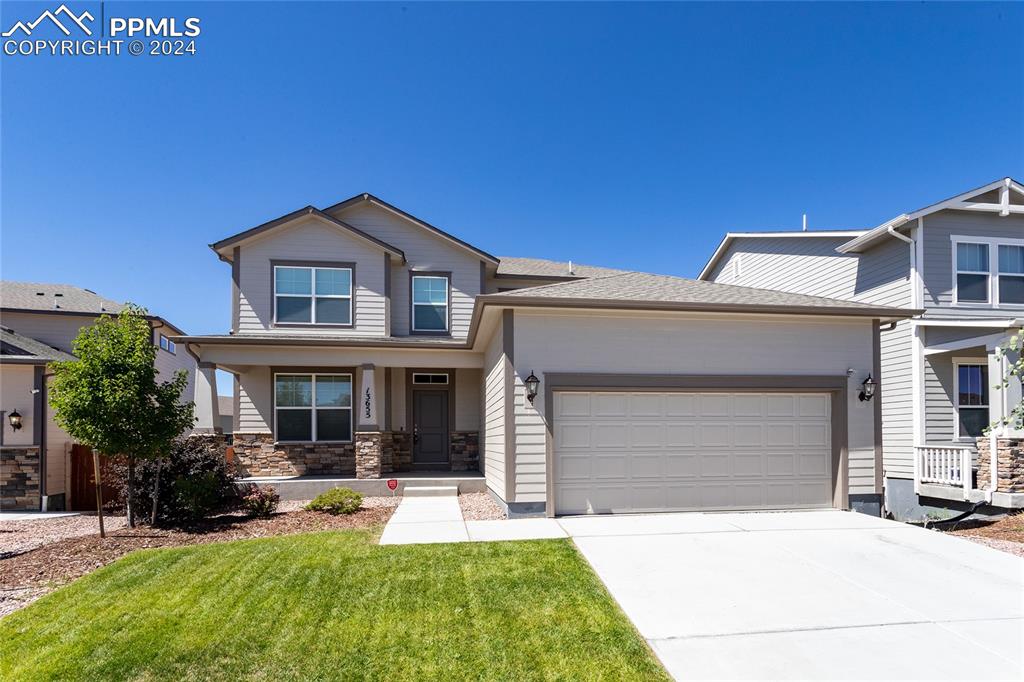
<point x="430" y="429"/>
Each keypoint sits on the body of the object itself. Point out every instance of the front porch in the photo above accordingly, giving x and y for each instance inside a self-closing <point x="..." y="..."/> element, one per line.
<point x="308" y="487"/>
<point x="947" y="472"/>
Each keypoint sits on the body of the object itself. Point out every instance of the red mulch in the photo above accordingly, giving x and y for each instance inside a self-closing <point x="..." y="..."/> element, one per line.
<point x="67" y="559"/>
<point x="1010" y="527"/>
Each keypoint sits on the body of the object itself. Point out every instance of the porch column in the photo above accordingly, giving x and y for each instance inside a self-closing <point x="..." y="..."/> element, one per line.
<point x="1002" y="400"/>
<point x="367" y="402"/>
<point x="207" y="409"/>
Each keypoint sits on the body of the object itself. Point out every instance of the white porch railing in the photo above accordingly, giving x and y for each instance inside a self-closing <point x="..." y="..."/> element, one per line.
<point x="946" y="465"/>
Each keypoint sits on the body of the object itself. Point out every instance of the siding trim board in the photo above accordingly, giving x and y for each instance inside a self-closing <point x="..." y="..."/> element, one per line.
<point x="835" y="386"/>
<point x="508" y="359"/>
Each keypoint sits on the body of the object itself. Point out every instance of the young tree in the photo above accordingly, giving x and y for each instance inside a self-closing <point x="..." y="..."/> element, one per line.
<point x="1013" y="351"/>
<point x="110" y="398"/>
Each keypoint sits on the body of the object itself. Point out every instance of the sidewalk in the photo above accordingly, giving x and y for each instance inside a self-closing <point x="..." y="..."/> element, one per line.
<point x="424" y="520"/>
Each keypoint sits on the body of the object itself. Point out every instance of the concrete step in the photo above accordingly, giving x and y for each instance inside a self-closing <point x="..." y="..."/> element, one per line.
<point x="431" y="491"/>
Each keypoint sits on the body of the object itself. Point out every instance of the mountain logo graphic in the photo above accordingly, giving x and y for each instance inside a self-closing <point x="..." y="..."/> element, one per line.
<point x="70" y="16"/>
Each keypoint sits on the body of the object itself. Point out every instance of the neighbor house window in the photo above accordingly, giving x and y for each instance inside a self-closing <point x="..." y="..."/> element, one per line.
<point x="313" y="407"/>
<point x="972" y="273"/>
<point x="971" y="399"/>
<point x="430" y="303"/>
<point x="1011" y="274"/>
<point x="312" y="295"/>
<point x="167" y="345"/>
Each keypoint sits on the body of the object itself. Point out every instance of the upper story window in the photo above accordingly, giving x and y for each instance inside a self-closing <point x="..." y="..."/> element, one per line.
<point x="972" y="273"/>
<point x="167" y="345"/>
<point x="430" y="303"/>
<point x="313" y="407"/>
<point x="312" y="295"/>
<point x="1011" y="273"/>
<point x="971" y="399"/>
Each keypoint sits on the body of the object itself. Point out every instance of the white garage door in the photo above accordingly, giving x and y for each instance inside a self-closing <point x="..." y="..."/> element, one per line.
<point x="621" y="451"/>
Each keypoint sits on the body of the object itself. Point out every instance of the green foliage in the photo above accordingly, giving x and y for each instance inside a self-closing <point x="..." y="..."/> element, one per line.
<point x="337" y="501"/>
<point x="109" y="397"/>
<point x="259" y="501"/>
<point x="1013" y="352"/>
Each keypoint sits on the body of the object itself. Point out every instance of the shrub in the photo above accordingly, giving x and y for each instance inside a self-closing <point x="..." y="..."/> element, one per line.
<point x="260" y="502"/>
<point x="337" y="501"/>
<point x="194" y="481"/>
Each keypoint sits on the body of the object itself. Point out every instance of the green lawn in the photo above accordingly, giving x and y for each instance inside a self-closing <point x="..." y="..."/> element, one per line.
<point x="331" y="606"/>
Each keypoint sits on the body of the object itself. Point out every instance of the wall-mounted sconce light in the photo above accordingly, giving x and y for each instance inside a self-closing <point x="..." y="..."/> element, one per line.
<point x="867" y="391"/>
<point x="15" y="419"/>
<point x="532" y="384"/>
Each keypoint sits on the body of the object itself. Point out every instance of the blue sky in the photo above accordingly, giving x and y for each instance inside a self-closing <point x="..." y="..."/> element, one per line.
<point x="625" y="135"/>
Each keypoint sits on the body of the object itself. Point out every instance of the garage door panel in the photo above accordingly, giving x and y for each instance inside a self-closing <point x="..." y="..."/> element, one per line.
<point x="656" y="451"/>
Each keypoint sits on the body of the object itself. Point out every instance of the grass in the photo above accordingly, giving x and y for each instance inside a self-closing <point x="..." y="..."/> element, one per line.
<point x="331" y="605"/>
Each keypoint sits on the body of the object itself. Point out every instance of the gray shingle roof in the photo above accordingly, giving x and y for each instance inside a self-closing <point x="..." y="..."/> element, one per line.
<point x="55" y="297"/>
<point x="13" y="345"/>
<point x="538" y="267"/>
<point x="640" y="287"/>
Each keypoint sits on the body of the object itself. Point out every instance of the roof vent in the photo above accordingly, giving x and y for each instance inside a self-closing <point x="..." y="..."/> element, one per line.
<point x="570" y="269"/>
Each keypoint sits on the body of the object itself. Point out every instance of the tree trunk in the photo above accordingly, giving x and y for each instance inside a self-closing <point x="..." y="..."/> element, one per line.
<point x="131" y="492"/>
<point x="156" y="492"/>
<point x="99" y="489"/>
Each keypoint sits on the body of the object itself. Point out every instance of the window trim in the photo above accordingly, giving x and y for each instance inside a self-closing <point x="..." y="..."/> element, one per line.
<point x="447" y="331"/>
<point x="967" y="362"/>
<point x="993" y="244"/>
<point x="170" y="346"/>
<point x="313" y="374"/>
<point x="999" y="274"/>
<point x="313" y="265"/>
<point x="447" y="378"/>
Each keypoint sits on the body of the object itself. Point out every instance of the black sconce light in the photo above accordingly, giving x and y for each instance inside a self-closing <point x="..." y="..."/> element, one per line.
<point x="532" y="384"/>
<point x="868" y="389"/>
<point x="15" y="418"/>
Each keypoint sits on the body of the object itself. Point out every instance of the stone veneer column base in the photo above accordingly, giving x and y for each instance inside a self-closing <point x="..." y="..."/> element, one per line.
<point x="19" y="478"/>
<point x="1009" y="463"/>
<point x="369" y="455"/>
<point x="465" y="449"/>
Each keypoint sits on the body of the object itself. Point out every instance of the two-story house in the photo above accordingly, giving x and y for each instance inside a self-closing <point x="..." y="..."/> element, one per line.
<point x="367" y="343"/>
<point x="961" y="261"/>
<point x="40" y="465"/>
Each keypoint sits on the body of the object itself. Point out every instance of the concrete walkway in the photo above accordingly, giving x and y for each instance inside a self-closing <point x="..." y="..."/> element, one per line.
<point x="424" y="520"/>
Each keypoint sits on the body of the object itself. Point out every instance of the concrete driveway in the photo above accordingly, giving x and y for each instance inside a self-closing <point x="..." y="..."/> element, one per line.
<point x="810" y="595"/>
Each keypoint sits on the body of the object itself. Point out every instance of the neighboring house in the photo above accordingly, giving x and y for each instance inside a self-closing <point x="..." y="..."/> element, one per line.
<point x="39" y="325"/>
<point x="962" y="262"/>
<point x="365" y="341"/>
<point x="226" y="407"/>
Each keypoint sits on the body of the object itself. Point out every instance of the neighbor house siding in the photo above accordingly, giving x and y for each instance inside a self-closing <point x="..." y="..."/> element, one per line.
<point x="55" y="330"/>
<point x="167" y="364"/>
<point x="424" y="251"/>
<point x="803" y="265"/>
<point x="310" y="240"/>
<point x="58" y="452"/>
<point x="938" y="271"/>
<point x="494" y="415"/>
<point x="883" y="278"/>
<point x="549" y="342"/>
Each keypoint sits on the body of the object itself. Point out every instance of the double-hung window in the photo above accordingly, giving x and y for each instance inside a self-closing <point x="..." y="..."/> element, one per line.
<point x="1011" y="274"/>
<point x="430" y="303"/>
<point x="972" y="273"/>
<point x="312" y="295"/>
<point x="313" y="407"/>
<point x="971" y="399"/>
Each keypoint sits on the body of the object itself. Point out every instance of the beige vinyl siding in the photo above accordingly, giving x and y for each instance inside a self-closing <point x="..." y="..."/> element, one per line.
<point x="167" y="364"/>
<point x="398" y="415"/>
<point x="467" y="399"/>
<point x="58" y="452"/>
<point x="55" y="330"/>
<point x="16" y="385"/>
<point x="310" y="240"/>
<point x="255" y="401"/>
<point x="802" y="265"/>
<point x="939" y="424"/>
<point x="494" y="415"/>
<point x="938" y="271"/>
<point x="883" y="278"/>
<point x="423" y="251"/>
<point x="622" y="343"/>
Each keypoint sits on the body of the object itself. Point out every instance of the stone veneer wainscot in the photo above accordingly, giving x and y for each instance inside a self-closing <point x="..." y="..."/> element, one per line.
<point x="19" y="478"/>
<point x="1009" y="464"/>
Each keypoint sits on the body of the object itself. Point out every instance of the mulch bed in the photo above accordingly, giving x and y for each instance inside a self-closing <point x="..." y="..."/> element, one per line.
<point x="70" y="558"/>
<point x="1010" y="527"/>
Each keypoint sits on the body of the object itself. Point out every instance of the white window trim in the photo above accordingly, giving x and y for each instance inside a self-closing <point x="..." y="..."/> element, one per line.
<point x="957" y="363"/>
<point x="993" y="244"/>
<point x="999" y="273"/>
<point x="312" y="407"/>
<point x="313" y="296"/>
<point x="415" y="375"/>
<point x="447" y="303"/>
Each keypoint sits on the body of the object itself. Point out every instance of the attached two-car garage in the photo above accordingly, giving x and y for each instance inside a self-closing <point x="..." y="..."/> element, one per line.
<point x="651" y="450"/>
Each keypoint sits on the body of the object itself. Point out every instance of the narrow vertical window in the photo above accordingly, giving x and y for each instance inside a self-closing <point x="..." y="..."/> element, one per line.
<point x="1011" y="274"/>
<point x="972" y="400"/>
<point x="972" y="273"/>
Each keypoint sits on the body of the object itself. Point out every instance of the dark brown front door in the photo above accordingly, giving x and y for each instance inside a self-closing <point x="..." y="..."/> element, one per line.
<point x="430" y="429"/>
